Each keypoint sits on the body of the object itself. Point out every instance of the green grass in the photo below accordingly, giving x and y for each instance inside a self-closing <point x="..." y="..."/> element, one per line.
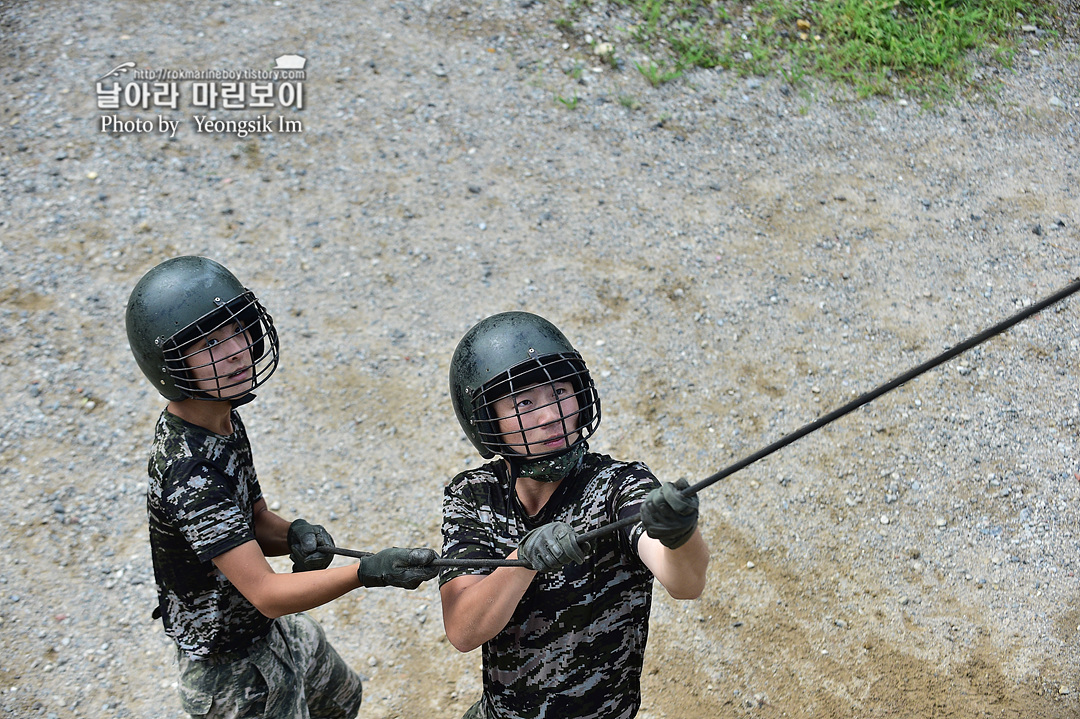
<point x="569" y="102"/>
<point x="657" y="75"/>
<point x="926" y="48"/>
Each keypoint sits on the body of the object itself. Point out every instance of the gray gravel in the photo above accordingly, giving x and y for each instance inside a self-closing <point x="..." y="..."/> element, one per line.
<point x="734" y="258"/>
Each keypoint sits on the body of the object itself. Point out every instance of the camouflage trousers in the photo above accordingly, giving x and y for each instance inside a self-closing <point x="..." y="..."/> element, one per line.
<point x="292" y="673"/>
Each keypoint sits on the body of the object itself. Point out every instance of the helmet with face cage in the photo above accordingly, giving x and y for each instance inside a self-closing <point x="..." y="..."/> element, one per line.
<point x="505" y="354"/>
<point x="176" y="306"/>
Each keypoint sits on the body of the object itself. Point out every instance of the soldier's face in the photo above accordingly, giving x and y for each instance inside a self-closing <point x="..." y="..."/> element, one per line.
<point x="220" y="363"/>
<point x="541" y="419"/>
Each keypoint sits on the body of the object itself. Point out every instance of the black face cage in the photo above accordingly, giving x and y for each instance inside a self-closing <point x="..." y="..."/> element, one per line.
<point x="261" y="350"/>
<point x="561" y="367"/>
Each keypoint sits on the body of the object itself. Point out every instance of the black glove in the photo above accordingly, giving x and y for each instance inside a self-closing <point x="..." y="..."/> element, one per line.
<point x="305" y="541"/>
<point x="396" y="567"/>
<point x="669" y="516"/>
<point x="550" y="547"/>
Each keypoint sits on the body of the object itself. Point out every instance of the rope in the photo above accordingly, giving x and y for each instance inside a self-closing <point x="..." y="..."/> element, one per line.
<point x="439" y="561"/>
<point x="798" y="434"/>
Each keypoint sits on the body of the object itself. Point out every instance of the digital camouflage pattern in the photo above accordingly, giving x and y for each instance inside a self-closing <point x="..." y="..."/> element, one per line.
<point x="293" y="673"/>
<point x="554" y="469"/>
<point x="576" y="642"/>
<point x="199" y="502"/>
<point x="476" y="711"/>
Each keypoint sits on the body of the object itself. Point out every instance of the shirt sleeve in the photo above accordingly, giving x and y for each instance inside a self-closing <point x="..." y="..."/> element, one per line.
<point x="467" y="528"/>
<point x="633" y="485"/>
<point x="202" y="505"/>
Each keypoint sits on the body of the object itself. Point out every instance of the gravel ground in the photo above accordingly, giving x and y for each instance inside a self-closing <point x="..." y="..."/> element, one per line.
<point x="733" y="257"/>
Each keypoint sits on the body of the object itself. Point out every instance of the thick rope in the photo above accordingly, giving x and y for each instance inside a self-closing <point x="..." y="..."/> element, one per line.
<point x="798" y="434"/>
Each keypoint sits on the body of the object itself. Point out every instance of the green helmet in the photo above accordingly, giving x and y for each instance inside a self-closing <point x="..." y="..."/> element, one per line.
<point x="505" y="354"/>
<point x="179" y="303"/>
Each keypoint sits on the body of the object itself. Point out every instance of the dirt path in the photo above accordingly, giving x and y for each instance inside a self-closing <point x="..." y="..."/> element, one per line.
<point x="734" y="258"/>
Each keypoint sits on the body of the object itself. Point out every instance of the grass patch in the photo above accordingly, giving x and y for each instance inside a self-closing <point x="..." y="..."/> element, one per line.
<point x="657" y="75"/>
<point x="569" y="103"/>
<point x="877" y="47"/>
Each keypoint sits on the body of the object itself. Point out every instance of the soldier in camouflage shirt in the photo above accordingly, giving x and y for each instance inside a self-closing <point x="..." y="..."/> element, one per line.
<point x="564" y="637"/>
<point x="245" y="648"/>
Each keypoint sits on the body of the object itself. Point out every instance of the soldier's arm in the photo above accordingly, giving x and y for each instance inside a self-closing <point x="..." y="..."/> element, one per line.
<point x="271" y="531"/>
<point x="682" y="570"/>
<point x="476" y="607"/>
<point x="276" y="594"/>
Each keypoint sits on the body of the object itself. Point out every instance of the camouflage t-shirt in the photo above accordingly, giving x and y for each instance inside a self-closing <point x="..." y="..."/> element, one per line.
<point x="576" y="642"/>
<point x="199" y="502"/>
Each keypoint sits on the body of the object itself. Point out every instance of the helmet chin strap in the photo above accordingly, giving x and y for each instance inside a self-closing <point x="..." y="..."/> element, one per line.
<point x="549" y="468"/>
<point x="234" y="402"/>
<point x="241" y="401"/>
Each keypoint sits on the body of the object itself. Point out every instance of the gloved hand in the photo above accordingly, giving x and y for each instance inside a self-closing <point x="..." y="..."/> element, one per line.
<point x="669" y="516"/>
<point x="305" y="541"/>
<point x="396" y="567"/>
<point x="551" y="546"/>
